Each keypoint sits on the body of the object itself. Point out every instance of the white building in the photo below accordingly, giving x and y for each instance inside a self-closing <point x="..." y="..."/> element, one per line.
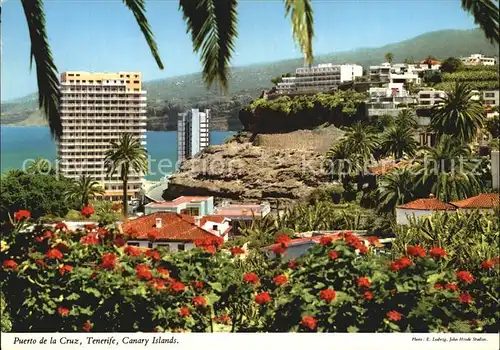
<point x="478" y="59"/>
<point x="394" y="74"/>
<point x="491" y="97"/>
<point x="420" y="208"/>
<point x="385" y="100"/>
<point x="430" y="97"/>
<point x="323" y="77"/>
<point x="193" y="133"/>
<point x="97" y="108"/>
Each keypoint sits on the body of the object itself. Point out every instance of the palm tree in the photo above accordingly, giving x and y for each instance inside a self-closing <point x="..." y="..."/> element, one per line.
<point x="485" y="13"/>
<point x="39" y="166"/>
<point x="406" y="117"/>
<point x="126" y="155"/>
<point x="448" y="170"/>
<point x="395" y="188"/>
<point x="343" y="162"/>
<point x="459" y="115"/>
<point x="83" y="190"/>
<point x="362" y="140"/>
<point x="398" y="140"/>
<point x="389" y="57"/>
<point x="211" y="23"/>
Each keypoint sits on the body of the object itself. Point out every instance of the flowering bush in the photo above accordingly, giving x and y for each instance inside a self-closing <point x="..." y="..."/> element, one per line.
<point x="60" y="282"/>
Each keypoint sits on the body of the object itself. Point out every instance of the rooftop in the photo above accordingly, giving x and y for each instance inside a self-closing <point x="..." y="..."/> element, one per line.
<point x="481" y="201"/>
<point x="175" y="227"/>
<point x="427" y="204"/>
<point x="177" y="201"/>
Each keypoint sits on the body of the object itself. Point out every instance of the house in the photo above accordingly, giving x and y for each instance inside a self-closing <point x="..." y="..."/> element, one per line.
<point x="478" y="59"/>
<point x="173" y="231"/>
<point x="423" y="207"/>
<point x="299" y="246"/>
<point x="430" y="64"/>
<point x="241" y="213"/>
<point x="430" y="97"/>
<point x="191" y="205"/>
<point x="483" y="201"/>
<point x="385" y="100"/>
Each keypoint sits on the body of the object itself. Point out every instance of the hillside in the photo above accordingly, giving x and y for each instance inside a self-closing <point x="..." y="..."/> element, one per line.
<point x="166" y="97"/>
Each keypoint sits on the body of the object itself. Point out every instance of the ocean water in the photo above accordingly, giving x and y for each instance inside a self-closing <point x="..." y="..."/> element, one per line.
<point x="19" y="144"/>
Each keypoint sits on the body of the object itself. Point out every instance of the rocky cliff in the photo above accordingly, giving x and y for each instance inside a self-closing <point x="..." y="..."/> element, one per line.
<point x="244" y="170"/>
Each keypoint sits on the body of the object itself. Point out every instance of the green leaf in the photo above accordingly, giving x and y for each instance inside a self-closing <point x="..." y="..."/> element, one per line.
<point x="73" y="296"/>
<point x="352" y="329"/>
<point x="217" y="286"/>
<point x="212" y="299"/>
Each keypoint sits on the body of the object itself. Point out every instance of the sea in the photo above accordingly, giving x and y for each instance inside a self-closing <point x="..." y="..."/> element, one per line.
<point x="20" y="144"/>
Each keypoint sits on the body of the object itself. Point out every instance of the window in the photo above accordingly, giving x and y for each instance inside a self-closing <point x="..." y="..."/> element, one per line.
<point x="134" y="244"/>
<point x="181" y="247"/>
<point x="489" y="94"/>
<point x="165" y="246"/>
<point x="136" y="81"/>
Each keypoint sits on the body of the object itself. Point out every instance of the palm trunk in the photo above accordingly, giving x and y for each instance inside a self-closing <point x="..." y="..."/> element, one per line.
<point x="125" y="197"/>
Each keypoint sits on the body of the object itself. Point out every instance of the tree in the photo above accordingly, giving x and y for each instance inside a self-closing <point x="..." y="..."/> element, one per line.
<point x="362" y="139"/>
<point x="485" y="13"/>
<point x="459" y="115"/>
<point x="398" y="140"/>
<point x="395" y="188"/>
<point x="125" y="155"/>
<point x="83" y="190"/>
<point x="448" y="170"/>
<point x="211" y="23"/>
<point x="279" y="78"/>
<point x="343" y="162"/>
<point x="389" y="57"/>
<point x="41" y="194"/>
<point x="40" y="166"/>
<point x="406" y="117"/>
<point x="493" y="126"/>
<point x="432" y="77"/>
<point x="451" y="65"/>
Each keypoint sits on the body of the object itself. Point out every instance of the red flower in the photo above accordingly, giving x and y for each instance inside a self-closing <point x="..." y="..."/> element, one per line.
<point x="279" y="249"/>
<point x="437" y="252"/>
<point x="333" y="254"/>
<point x="41" y="263"/>
<point x="120" y="241"/>
<point x="153" y="254"/>
<point x="143" y="272"/>
<point x="87" y="211"/>
<point x="326" y="240"/>
<point x="178" y="287"/>
<point x="108" y="261"/>
<point x="465" y="276"/>
<point x="487" y="264"/>
<point x="130" y="250"/>
<point x="292" y="264"/>
<point x="251" y="278"/>
<point x="90" y="239"/>
<point x="327" y="295"/>
<point x="54" y="254"/>
<point x="197" y="284"/>
<point x="210" y="249"/>
<point x="394" y="315"/>
<point x="438" y="286"/>
<point x="199" y="301"/>
<point x="465" y="298"/>
<point x="400" y="264"/>
<point x="364" y="282"/>
<point x="283" y="239"/>
<point x="10" y="265"/>
<point x="184" y="311"/>
<point x="22" y="214"/>
<point x="65" y="268"/>
<point x="158" y="283"/>
<point x="63" y="311"/>
<point x="373" y="241"/>
<point x="90" y="227"/>
<point x="280" y="280"/>
<point x="308" y="322"/>
<point x="61" y="226"/>
<point x="153" y="235"/>
<point x="223" y="319"/>
<point x="368" y="295"/>
<point x="415" y="250"/>
<point x="237" y="251"/>
<point x="262" y="298"/>
<point x="451" y="286"/>
<point x="87" y="326"/>
<point x="362" y="248"/>
<point x="102" y="232"/>
<point x="46" y="235"/>
<point x="162" y="270"/>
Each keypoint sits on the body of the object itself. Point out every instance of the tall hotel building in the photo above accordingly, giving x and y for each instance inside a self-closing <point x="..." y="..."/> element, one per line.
<point x="193" y="133"/>
<point x="97" y="108"/>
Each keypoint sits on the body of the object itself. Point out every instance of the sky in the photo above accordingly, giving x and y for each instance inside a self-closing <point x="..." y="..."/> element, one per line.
<point x="102" y="35"/>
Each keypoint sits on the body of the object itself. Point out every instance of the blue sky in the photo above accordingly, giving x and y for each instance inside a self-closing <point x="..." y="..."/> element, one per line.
<point x="103" y="35"/>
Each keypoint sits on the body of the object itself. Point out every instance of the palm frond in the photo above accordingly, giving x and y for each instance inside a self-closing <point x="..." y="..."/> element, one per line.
<point x="46" y="71"/>
<point x="486" y="15"/>
<point x="212" y="24"/>
<point x="138" y="8"/>
<point x="301" y="14"/>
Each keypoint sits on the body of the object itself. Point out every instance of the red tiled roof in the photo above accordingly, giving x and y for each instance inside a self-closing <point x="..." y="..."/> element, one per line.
<point x="212" y="218"/>
<point x="427" y="204"/>
<point x="178" y="201"/>
<point x="481" y="201"/>
<point x="430" y="61"/>
<point x="175" y="227"/>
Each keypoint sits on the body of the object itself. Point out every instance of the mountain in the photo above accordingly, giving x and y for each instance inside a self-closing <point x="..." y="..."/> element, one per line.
<point x="167" y="97"/>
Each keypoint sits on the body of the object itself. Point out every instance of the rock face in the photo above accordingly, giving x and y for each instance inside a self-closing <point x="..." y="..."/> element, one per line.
<point x="242" y="171"/>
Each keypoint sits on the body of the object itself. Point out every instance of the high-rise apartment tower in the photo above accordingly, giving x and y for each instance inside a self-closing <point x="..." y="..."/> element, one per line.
<point x="193" y="133"/>
<point x="97" y="108"/>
